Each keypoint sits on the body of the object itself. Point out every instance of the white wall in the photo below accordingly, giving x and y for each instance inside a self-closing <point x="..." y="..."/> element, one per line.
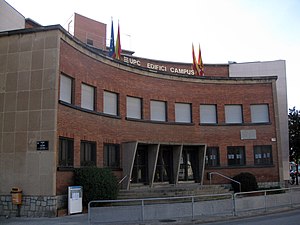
<point x="271" y="68"/>
<point x="10" y="19"/>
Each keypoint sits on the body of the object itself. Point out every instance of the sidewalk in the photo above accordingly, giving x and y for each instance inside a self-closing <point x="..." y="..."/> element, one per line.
<point x="82" y="219"/>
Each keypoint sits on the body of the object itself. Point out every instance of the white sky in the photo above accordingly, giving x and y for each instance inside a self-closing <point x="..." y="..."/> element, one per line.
<point x="227" y="30"/>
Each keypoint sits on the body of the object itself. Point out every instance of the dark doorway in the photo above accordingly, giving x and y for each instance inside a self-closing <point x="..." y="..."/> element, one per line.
<point x="189" y="164"/>
<point x="140" y="167"/>
<point x="164" y="166"/>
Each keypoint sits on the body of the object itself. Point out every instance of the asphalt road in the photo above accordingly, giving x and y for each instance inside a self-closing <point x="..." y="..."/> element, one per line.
<point x="291" y="217"/>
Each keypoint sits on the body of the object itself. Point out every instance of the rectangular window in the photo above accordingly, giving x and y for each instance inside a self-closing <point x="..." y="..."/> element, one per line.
<point x="208" y="114"/>
<point x="260" y="113"/>
<point x="233" y="114"/>
<point x="134" y="107"/>
<point x="213" y="157"/>
<point x="66" y="89"/>
<point x="263" y="155"/>
<point x="183" y="113"/>
<point x="87" y="153"/>
<point x="158" y="110"/>
<point x="236" y="155"/>
<point x="110" y="103"/>
<point x="66" y="152"/>
<point x="112" y="155"/>
<point x="90" y="42"/>
<point x="87" y="97"/>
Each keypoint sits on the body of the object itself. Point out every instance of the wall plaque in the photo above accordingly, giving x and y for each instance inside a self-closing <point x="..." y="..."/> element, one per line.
<point x="42" y="145"/>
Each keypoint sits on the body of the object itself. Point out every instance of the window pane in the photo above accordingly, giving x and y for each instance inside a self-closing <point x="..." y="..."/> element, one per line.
<point x="233" y="114"/>
<point x="183" y="113"/>
<point x="158" y="110"/>
<point x="208" y="114"/>
<point x="66" y="152"/>
<point x="213" y="156"/>
<point x="87" y="96"/>
<point x="87" y="153"/>
<point x="236" y="155"/>
<point x="134" y="108"/>
<point x="112" y="155"/>
<point x="263" y="155"/>
<point x="110" y="103"/>
<point x="259" y="113"/>
<point x="65" y="89"/>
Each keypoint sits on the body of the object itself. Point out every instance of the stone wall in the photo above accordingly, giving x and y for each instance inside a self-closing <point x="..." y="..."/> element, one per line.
<point x="32" y="206"/>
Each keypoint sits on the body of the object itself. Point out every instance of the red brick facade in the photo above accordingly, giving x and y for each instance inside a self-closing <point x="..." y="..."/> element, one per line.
<point x="81" y="125"/>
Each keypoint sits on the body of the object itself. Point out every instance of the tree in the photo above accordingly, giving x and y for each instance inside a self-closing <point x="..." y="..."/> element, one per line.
<point x="294" y="134"/>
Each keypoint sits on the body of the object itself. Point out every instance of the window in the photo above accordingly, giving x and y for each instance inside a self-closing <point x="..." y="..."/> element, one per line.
<point x="66" y="152"/>
<point x="236" y="155"/>
<point x="87" y="97"/>
<point x="87" y="153"/>
<point x="110" y="103"/>
<point x="208" y="114"/>
<point x="233" y="114"/>
<point x="134" y="107"/>
<point x="213" y="157"/>
<point x="260" y="113"/>
<point x="158" y="110"/>
<point x="112" y="155"/>
<point x="66" y="89"/>
<point x="263" y="155"/>
<point x="183" y="113"/>
<point x="90" y="42"/>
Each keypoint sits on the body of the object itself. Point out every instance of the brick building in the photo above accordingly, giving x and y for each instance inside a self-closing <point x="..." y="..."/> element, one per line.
<point x="65" y="104"/>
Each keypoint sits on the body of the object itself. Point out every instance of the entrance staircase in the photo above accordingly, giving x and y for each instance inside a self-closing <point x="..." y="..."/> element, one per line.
<point x="167" y="190"/>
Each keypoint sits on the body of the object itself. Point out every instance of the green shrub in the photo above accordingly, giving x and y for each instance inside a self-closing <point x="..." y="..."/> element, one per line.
<point x="97" y="183"/>
<point x="247" y="180"/>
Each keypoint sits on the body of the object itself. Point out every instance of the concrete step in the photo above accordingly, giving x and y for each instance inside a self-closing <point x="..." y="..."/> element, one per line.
<point x="167" y="190"/>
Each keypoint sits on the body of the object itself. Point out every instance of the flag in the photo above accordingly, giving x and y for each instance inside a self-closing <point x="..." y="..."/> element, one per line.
<point x="195" y="63"/>
<point x="200" y="63"/>
<point x="112" y="42"/>
<point x="118" y="49"/>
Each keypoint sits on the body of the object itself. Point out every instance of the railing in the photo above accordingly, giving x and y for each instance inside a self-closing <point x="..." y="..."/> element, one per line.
<point x="190" y="207"/>
<point x="228" y="178"/>
<point x="120" y="182"/>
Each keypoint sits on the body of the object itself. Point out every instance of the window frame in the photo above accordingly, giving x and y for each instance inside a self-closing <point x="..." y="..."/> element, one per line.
<point x="66" y="155"/>
<point x="260" y="160"/>
<point x="92" y="161"/>
<point x="177" y="110"/>
<point x="105" y="107"/>
<point x="203" y="112"/>
<point x="155" y="113"/>
<point x="93" y="108"/>
<point x="253" y="113"/>
<point x="108" y="161"/>
<point x="229" y="119"/>
<point x="236" y="156"/>
<point x="138" y="117"/>
<point x="213" y="162"/>
<point x="71" y="89"/>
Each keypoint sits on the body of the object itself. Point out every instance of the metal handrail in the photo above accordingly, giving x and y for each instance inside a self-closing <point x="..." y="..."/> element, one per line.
<point x="122" y="179"/>
<point x="239" y="183"/>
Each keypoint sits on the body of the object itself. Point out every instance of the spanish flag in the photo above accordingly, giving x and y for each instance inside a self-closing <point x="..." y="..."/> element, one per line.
<point x="118" y="49"/>
<point x="200" y="63"/>
<point x="195" y="63"/>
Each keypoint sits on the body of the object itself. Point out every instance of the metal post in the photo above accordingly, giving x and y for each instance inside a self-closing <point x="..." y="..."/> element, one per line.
<point x="234" y="204"/>
<point x="193" y="207"/>
<point x="265" y="201"/>
<point x="143" y="212"/>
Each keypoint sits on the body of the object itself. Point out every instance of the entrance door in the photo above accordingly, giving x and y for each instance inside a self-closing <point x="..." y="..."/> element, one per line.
<point x="140" y="167"/>
<point x="164" y="166"/>
<point x="189" y="164"/>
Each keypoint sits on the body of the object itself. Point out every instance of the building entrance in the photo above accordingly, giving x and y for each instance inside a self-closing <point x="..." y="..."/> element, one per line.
<point x="164" y="166"/>
<point x="189" y="164"/>
<point x="140" y="166"/>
